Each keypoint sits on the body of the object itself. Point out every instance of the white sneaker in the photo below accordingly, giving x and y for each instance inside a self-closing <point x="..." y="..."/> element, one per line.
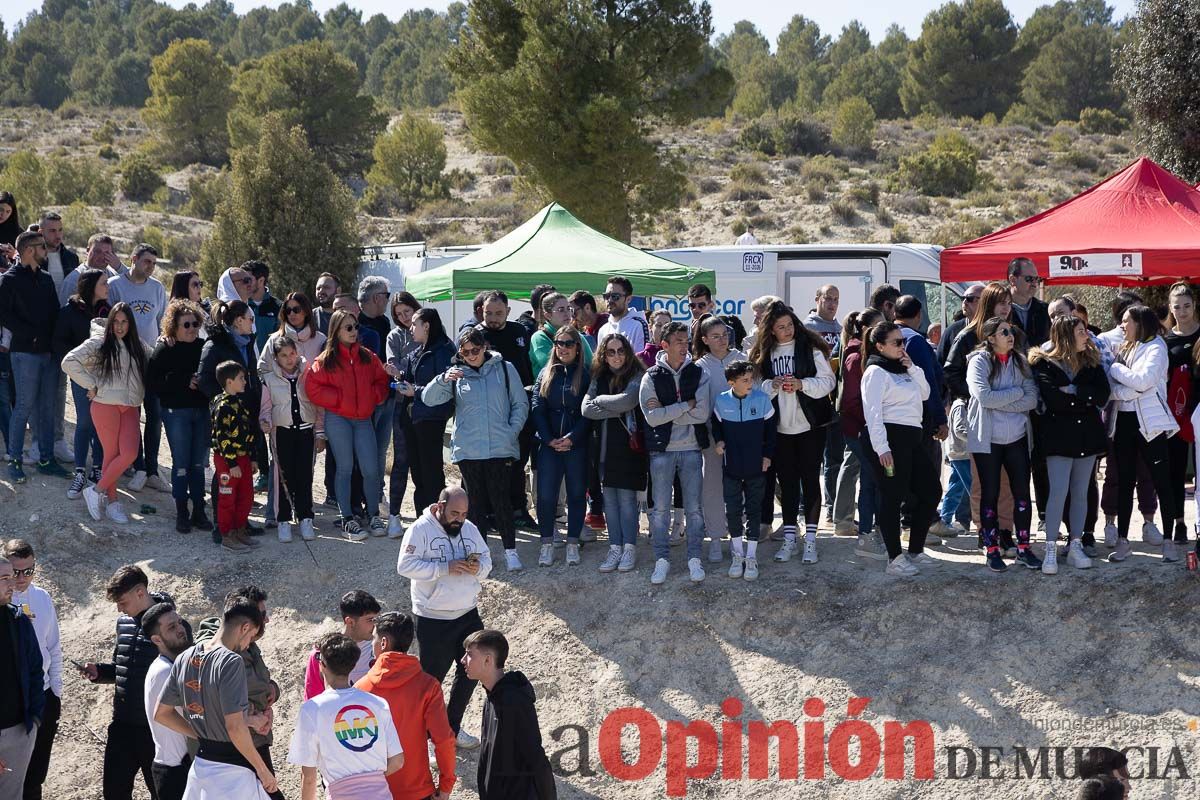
<point x="715" y="555"/>
<point x="628" y="559"/>
<point x="610" y="562"/>
<point x="116" y="513"/>
<point x="1170" y="553"/>
<point x="1122" y="551"/>
<point x="870" y="545"/>
<point x="786" y="551"/>
<point x="466" y="741"/>
<point x="1076" y="557"/>
<point x="751" y="572"/>
<point x="661" y="568"/>
<point x="810" y="552"/>
<point x="285" y="532"/>
<point x="1050" y="560"/>
<point x="512" y="562"/>
<point x="946" y="531"/>
<point x="572" y="554"/>
<point x="901" y="567"/>
<point x="77" y="483"/>
<point x="921" y="559"/>
<point x="1110" y="535"/>
<point x="1151" y="535"/>
<point x="737" y="566"/>
<point x="95" y="502"/>
<point x="546" y="555"/>
<point x="63" y="451"/>
<point x="137" y="482"/>
<point x="306" y="530"/>
<point x="156" y="483"/>
<point x="931" y="538"/>
<point x="695" y="570"/>
<point x="395" y="528"/>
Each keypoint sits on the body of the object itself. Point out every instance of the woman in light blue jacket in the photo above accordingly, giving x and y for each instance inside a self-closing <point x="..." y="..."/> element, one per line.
<point x="490" y="408"/>
<point x="1002" y="393"/>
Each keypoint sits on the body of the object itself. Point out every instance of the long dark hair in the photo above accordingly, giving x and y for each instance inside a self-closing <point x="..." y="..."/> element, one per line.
<point x="437" y="331"/>
<point x="11" y="226"/>
<point x="300" y="299"/>
<point x="631" y="370"/>
<point x="765" y="342"/>
<point x="181" y="285"/>
<point x="1018" y="358"/>
<point x="874" y="336"/>
<point x="228" y="313"/>
<point x="85" y="287"/>
<point x="329" y="357"/>
<point x="1148" y="325"/>
<point x="855" y="327"/>
<point x="110" y="347"/>
<point x="699" y="348"/>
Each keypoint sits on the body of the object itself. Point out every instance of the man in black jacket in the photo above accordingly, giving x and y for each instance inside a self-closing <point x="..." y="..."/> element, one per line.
<point x="511" y="341"/>
<point x="28" y="308"/>
<point x="512" y="763"/>
<point x="21" y="697"/>
<point x="130" y="746"/>
<point x="1031" y="314"/>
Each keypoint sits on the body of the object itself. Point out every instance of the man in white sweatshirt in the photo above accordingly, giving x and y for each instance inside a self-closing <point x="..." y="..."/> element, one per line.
<point x="622" y="319"/>
<point x="445" y="558"/>
<point x="35" y="603"/>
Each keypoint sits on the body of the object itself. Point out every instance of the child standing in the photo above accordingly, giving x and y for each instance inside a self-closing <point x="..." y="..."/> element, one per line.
<point x="233" y="442"/>
<point x="296" y="428"/>
<point x="743" y="425"/>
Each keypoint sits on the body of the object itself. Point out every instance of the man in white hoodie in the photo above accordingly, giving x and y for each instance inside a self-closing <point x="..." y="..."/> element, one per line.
<point x="445" y="558"/>
<point x="621" y="318"/>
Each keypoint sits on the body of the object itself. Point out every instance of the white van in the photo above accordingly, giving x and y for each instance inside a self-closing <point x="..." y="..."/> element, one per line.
<point x="795" y="272"/>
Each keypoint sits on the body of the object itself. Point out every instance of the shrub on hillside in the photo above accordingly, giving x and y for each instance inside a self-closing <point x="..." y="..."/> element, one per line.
<point x="205" y="193"/>
<point x="949" y="166"/>
<point x="795" y="136"/>
<point x="853" y="125"/>
<point x="79" y="223"/>
<point x="750" y="172"/>
<point x="139" y="178"/>
<point x="741" y="191"/>
<point x="84" y="178"/>
<point x="410" y="158"/>
<point x="758" y="136"/>
<point x="1100" y="120"/>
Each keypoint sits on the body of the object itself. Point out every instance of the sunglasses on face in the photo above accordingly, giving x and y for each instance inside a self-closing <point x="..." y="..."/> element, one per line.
<point x="24" y="573"/>
<point x="567" y="343"/>
<point x="972" y="298"/>
<point x="614" y="353"/>
<point x="295" y="310"/>
<point x="470" y="352"/>
<point x="1004" y="332"/>
<point x="612" y="296"/>
<point x="246" y="280"/>
<point x="1031" y="278"/>
<point x="187" y="326"/>
<point x="350" y="326"/>
<point x="895" y="342"/>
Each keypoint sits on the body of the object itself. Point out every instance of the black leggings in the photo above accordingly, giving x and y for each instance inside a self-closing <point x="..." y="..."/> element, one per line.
<point x="487" y="493"/>
<point x="914" y="475"/>
<point x="1178" y="450"/>
<point x="425" y="465"/>
<point x="797" y="465"/>
<point x="294" y="459"/>
<point x="1014" y="459"/>
<point x="1129" y="442"/>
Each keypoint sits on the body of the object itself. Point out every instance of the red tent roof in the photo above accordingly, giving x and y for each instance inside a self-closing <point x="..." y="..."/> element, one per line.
<point x="1139" y="226"/>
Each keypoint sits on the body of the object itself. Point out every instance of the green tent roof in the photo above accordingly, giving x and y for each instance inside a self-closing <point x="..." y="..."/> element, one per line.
<point x="554" y="247"/>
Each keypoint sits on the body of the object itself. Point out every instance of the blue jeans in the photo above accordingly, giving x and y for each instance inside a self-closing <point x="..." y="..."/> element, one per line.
<point x="353" y="440"/>
<point x="188" y="437"/>
<point x="148" y="453"/>
<point x="867" y="486"/>
<point x="958" y="488"/>
<point x="621" y="515"/>
<point x="664" y="467"/>
<point x="5" y="396"/>
<point x="85" y="431"/>
<point x="834" y="439"/>
<point x="35" y="376"/>
<point x="381" y="420"/>
<point x="551" y="467"/>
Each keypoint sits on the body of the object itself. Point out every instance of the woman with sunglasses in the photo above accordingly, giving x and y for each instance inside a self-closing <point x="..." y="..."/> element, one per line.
<point x="81" y="318"/>
<point x="423" y="426"/>
<point x="348" y="381"/>
<point x="188" y="285"/>
<point x="399" y="345"/>
<point x="612" y="401"/>
<point x="999" y="434"/>
<point x="1143" y="424"/>
<point x="563" y="432"/>
<point x="1074" y="391"/>
<point x="894" y="391"/>
<point x="712" y="351"/>
<point x="490" y="409"/>
<point x="298" y="323"/>
<point x="171" y="374"/>
<point x="557" y="314"/>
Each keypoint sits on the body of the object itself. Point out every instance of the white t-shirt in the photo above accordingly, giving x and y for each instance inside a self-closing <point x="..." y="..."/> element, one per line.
<point x="55" y="268"/>
<point x="344" y="732"/>
<point x="169" y="746"/>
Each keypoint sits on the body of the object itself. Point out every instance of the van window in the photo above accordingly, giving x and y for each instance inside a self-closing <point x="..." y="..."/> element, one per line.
<point x="930" y="295"/>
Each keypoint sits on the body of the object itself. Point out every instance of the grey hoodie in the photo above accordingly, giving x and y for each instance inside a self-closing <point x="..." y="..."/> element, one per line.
<point x="830" y="331"/>
<point x="683" y="437"/>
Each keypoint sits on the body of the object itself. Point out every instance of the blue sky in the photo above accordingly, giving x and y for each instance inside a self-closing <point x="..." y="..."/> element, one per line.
<point x="769" y="15"/>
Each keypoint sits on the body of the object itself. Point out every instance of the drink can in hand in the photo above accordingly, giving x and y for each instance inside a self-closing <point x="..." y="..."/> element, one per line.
<point x="1191" y="561"/>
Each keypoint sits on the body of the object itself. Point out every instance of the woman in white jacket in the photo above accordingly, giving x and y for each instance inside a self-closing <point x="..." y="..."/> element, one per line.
<point x="112" y="367"/>
<point x="893" y="391"/>
<point x="1143" y="423"/>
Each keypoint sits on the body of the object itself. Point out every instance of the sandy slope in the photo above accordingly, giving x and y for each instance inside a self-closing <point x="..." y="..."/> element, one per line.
<point x="1107" y="656"/>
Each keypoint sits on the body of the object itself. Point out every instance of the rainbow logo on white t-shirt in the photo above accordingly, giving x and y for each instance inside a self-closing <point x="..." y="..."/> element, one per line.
<point x="356" y="728"/>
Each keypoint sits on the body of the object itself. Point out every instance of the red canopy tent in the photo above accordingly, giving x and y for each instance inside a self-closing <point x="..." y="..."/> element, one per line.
<point x="1139" y="226"/>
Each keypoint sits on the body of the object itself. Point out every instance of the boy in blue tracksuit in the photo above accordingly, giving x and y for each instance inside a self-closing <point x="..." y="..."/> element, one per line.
<point x="743" y="427"/>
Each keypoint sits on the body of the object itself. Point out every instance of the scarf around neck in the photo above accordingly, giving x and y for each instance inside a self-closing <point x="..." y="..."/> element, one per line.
<point x="891" y="365"/>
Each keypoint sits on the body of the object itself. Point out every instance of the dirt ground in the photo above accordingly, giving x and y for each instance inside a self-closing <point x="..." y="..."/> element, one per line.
<point x="1018" y="660"/>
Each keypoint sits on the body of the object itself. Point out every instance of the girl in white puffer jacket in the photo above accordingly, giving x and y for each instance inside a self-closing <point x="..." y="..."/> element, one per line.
<point x="1142" y="422"/>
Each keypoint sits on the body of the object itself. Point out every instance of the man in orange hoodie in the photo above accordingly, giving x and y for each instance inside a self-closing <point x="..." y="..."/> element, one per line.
<point x="418" y="710"/>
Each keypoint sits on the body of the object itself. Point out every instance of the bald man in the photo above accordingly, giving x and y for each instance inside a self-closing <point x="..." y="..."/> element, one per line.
<point x="445" y="558"/>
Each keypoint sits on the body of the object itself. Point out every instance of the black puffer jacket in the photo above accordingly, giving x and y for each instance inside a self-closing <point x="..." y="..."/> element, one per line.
<point x="132" y="657"/>
<point x="221" y="347"/>
<point x="74" y="325"/>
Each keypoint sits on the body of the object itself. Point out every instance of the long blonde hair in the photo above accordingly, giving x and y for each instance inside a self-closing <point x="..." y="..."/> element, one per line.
<point x="1062" y="347"/>
<point x="581" y="366"/>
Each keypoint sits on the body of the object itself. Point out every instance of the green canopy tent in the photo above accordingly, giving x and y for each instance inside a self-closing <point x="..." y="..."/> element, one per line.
<point x="554" y="247"/>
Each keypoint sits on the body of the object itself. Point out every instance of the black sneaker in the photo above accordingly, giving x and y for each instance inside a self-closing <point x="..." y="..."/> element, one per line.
<point x="523" y="520"/>
<point x="53" y="469"/>
<point x="182" y="524"/>
<point x="16" y="473"/>
<point x="200" y="520"/>
<point x="353" y="530"/>
<point x="995" y="562"/>
<point x="1028" y="558"/>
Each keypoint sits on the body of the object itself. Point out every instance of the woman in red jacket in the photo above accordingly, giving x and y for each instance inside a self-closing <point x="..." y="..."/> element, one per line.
<point x="348" y="381"/>
<point x="869" y="545"/>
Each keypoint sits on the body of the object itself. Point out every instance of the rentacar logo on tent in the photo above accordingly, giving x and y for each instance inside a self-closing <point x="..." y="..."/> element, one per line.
<point x="1086" y="264"/>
